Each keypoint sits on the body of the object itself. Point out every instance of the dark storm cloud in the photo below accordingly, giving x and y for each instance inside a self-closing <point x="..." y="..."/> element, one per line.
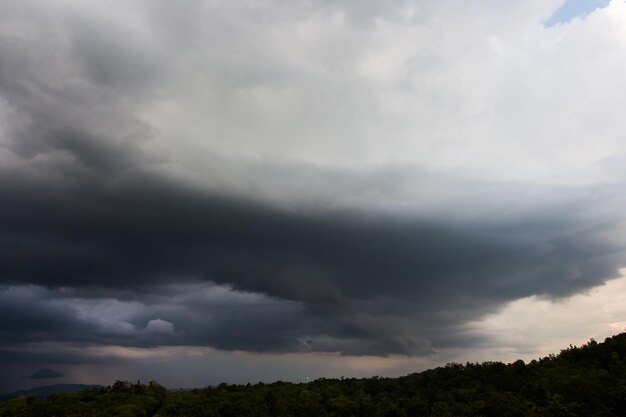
<point x="358" y="275"/>
<point x="210" y="316"/>
<point x="84" y="207"/>
<point x="27" y="316"/>
<point x="138" y="230"/>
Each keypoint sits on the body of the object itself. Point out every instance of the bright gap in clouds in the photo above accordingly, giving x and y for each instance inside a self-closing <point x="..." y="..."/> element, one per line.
<point x="574" y="8"/>
<point x="533" y="327"/>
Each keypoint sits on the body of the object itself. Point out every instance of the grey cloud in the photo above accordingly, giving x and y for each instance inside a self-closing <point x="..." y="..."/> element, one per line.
<point x="216" y="316"/>
<point x="27" y="317"/>
<point x="114" y="57"/>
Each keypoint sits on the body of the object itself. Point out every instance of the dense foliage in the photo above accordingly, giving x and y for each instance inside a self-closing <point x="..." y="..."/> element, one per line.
<point x="581" y="381"/>
<point x="120" y="399"/>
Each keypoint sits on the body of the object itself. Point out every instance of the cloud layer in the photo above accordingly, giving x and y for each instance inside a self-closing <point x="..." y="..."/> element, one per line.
<point x="359" y="178"/>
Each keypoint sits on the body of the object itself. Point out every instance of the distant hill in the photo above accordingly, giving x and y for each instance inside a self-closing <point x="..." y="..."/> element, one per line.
<point x="589" y="380"/>
<point x="47" y="390"/>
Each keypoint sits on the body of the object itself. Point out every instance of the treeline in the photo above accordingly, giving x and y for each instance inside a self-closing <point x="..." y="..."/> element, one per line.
<point x="122" y="399"/>
<point x="580" y="381"/>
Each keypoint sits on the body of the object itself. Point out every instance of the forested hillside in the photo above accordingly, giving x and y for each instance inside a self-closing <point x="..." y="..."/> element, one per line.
<point x="580" y="381"/>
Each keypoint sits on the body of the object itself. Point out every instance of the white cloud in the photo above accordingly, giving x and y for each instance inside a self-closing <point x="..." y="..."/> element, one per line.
<point x="480" y="89"/>
<point x="159" y="326"/>
<point x="251" y="91"/>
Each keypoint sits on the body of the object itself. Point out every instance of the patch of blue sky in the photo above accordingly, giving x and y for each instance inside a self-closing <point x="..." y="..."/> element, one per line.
<point x="574" y="8"/>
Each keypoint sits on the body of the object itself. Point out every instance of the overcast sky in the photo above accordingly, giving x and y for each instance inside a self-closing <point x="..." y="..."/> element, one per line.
<point x="209" y="191"/>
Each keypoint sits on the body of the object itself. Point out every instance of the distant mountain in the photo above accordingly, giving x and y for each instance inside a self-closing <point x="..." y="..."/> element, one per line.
<point x="47" y="390"/>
